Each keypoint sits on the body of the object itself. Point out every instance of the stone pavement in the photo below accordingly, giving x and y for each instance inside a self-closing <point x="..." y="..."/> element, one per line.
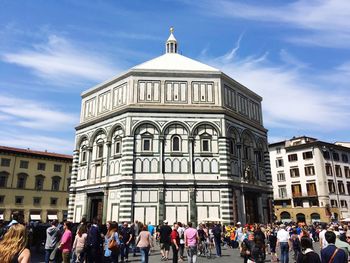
<point x="228" y="256"/>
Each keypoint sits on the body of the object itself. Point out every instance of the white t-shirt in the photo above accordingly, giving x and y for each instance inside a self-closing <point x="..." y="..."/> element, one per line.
<point x="282" y="235"/>
<point x="321" y="236"/>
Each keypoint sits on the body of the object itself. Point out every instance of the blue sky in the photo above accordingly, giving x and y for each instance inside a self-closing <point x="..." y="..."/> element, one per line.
<point x="295" y="54"/>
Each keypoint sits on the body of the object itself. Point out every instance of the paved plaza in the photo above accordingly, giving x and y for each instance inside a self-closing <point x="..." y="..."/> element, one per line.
<point x="228" y="255"/>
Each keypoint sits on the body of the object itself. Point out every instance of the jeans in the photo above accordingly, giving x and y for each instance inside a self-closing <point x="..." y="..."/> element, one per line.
<point x="192" y="254"/>
<point x="47" y="255"/>
<point x="124" y="251"/>
<point x="144" y="254"/>
<point x="218" y="246"/>
<point x="284" y="258"/>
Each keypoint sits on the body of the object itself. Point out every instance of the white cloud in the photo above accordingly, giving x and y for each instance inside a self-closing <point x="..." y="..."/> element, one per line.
<point x="60" y="60"/>
<point x="36" y="142"/>
<point x="327" y="21"/>
<point x="31" y="114"/>
<point x="291" y="99"/>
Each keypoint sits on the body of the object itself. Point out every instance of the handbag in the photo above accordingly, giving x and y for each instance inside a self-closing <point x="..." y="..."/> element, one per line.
<point x="113" y="245"/>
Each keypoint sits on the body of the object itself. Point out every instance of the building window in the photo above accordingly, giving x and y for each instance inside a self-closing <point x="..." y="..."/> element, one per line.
<point x="282" y="192"/>
<point x="326" y="155"/>
<point x="307" y="155"/>
<point x="334" y="203"/>
<point x="2" y="199"/>
<point x="83" y="155"/>
<point x="313" y="202"/>
<point x="100" y="150"/>
<point x="311" y="189"/>
<point x="298" y="203"/>
<point x="21" y="181"/>
<point x="23" y="164"/>
<point x="341" y="188"/>
<point x="67" y="201"/>
<point x="347" y="171"/>
<point x="348" y="188"/>
<point x="68" y="182"/>
<point x="57" y="168"/>
<point x="39" y="182"/>
<point x="5" y="162"/>
<point x="175" y="144"/>
<point x="36" y="200"/>
<point x="3" y="179"/>
<point x="41" y="166"/>
<point x="278" y="150"/>
<point x="146" y="144"/>
<point x="281" y="177"/>
<point x="232" y="147"/>
<point x="309" y="170"/>
<point x="329" y="170"/>
<point x="338" y="172"/>
<point x="53" y="201"/>
<point x="296" y="190"/>
<point x="336" y="156"/>
<point x="55" y="183"/>
<point x="19" y="200"/>
<point x="343" y="204"/>
<point x="331" y="187"/>
<point x="294" y="172"/>
<point x="293" y="157"/>
<point x="344" y="158"/>
<point x="279" y="163"/>
<point x="117" y="146"/>
<point x="70" y="169"/>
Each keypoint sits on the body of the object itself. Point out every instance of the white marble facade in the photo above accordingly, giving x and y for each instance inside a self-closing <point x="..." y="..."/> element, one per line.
<point x="171" y="139"/>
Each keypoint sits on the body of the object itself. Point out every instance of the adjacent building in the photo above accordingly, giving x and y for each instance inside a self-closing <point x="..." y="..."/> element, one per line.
<point x="311" y="180"/>
<point x="34" y="183"/>
<point x="171" y="139"/>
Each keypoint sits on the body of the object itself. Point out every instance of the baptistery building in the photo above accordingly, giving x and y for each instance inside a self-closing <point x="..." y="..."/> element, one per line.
<point x="171" y="139"/>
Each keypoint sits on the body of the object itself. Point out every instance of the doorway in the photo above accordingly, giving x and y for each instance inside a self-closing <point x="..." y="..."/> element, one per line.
<point x="96" y="207"/>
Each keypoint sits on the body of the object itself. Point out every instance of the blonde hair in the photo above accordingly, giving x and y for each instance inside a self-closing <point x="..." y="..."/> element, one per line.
<point x="14" y="241"/>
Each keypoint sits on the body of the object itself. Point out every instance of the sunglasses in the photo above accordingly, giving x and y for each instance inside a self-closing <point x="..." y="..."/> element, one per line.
<point x="347" y="237"/>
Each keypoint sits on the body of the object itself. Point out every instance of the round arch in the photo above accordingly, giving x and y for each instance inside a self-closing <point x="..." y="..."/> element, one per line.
<point x="216" y="128"/>
<point x="113" y="129"/>
<point x="315" y="217"/>
<point x="94" y="135"/>
<point x="233" y="130"/>
<point x="300" y="217"/>
<point x="175" y="123"/>
<point x="142" y="123"/>
<point x="262" y="142"/>
<point x="250" y="135"/>
<point x="80" y="140"/>
<point x="285" y="217"/>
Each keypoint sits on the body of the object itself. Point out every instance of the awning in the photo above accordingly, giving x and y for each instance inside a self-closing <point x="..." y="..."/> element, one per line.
<point x="52" y="217"/>
<point x="35" y="217"/>
<point x="1" y="217"/>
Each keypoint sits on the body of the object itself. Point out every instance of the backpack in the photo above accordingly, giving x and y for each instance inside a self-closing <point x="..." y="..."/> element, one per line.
<point x="296" y="243"/>
<point x="257" y="253"/>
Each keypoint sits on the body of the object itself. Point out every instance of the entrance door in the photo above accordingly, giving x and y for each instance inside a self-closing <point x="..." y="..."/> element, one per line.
<point x="96" y="208"/>
<point x="251" y="208"/>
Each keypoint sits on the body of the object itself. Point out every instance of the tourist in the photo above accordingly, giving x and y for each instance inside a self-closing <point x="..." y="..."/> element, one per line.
<point x="217" y="239"/>
<point x="13" y="245"/>
<point x="79" y="244"/>
<point x="151" y="230"/>
<point x="341" y="244"/>
<point x="322" y="240"/>
<point x="66" y="242"/>
<point x="144" y="242"/>
<point x="191" y="242"/>
<point x="165" y="240"/>
<point x="181" y="231"/>
<point x="256" y="250"/>
<point x="331" y="253"/>
<point x="284" y="243"/>
<point x="127" y="236"/>
<point x="111" y="243"/>
<point x="52" y="238"/>
<point x="175" y="242"/>
<point x="93" y="242"/>
<point x="307" y="254"/>
<point x="295" y="242"/>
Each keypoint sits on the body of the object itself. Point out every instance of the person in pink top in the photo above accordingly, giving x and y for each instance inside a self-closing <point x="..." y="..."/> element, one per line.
<point x="191" y="242"/>
<point x="66" y="242"/>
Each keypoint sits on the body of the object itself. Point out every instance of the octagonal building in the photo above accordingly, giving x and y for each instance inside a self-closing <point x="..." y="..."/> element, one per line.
<point x="172" y="139"/>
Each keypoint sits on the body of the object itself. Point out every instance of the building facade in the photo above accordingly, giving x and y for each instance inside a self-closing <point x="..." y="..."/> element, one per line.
<point x="311" y="180"/>
<point x="34" y="183"/>
<point x="171" y="139"/>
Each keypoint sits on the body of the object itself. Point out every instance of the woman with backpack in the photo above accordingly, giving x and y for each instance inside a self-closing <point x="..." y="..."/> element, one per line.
<point x="295" y="244"/>
<point x="111" y="243"/>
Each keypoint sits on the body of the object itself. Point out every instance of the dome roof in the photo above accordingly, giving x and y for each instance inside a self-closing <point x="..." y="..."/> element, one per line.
<point x="174" y="61"/>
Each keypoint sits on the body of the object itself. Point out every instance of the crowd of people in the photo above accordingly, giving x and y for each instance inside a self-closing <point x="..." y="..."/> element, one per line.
<point x="91" y="242"/>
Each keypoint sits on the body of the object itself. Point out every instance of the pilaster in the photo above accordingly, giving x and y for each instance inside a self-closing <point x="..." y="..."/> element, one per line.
<point x="72" y="185"/>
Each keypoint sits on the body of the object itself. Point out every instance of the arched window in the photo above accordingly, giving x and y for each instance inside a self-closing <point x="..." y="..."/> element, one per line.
<point x="146" y="140"/>
<point x="99" y="153"/>
<point x="205" y="142"/>
<point x="117" y="145"/>
<point x="176" y="147"/>
<point x="55" y="183"/>
<point x="39" y="182"/>
<point x="21" y="180"/>
<point x="83" y="154"/>
<point x="232" y="147"/>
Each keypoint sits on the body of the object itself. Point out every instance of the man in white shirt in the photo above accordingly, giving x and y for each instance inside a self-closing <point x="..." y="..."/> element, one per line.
<point x="283" y="241"/>
<point x="323" y="242"/>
